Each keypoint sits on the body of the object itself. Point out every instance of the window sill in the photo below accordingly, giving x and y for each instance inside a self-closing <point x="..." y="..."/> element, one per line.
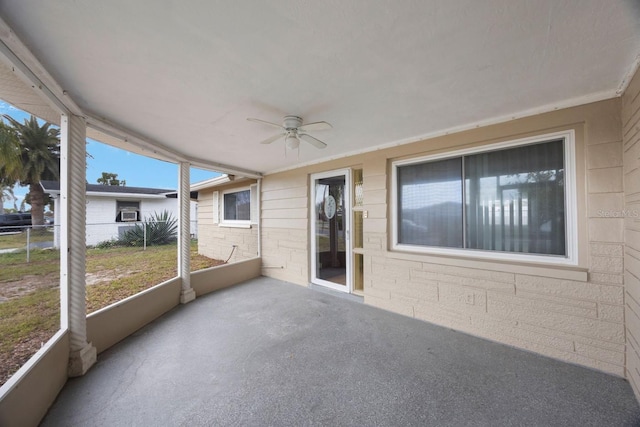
<point x="232" y="225"/>
<point x="555" y="271"/>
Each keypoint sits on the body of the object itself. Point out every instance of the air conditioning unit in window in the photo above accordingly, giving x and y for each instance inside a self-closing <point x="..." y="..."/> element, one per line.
<point x="128" y="216"/>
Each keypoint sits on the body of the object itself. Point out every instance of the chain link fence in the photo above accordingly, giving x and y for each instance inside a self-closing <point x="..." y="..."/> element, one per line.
<point x="24" y="240"/>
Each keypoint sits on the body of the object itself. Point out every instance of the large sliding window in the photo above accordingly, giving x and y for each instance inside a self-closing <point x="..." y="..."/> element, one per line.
<point x="506" y="199"/>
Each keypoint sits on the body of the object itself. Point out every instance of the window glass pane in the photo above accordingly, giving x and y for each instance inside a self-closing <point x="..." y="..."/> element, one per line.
<point x="515" y="199"/>
<point x="430" y="203"/>
<point x="358" y="229"/>
<point x="237" y="206"/>
<point x="358" y="191"/>
<point x="358" y="273"/>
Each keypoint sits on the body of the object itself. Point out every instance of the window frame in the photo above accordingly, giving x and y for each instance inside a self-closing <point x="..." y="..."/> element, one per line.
<point x="243" y="223"/>
<point x="570" y="192"/>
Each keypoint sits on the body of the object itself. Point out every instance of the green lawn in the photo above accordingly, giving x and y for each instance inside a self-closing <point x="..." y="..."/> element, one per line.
<point x="19" y="240"/>
<point x="28" y="320"/>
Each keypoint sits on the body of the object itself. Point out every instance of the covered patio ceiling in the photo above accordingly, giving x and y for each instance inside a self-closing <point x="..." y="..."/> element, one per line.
<point x="183" y="78"/>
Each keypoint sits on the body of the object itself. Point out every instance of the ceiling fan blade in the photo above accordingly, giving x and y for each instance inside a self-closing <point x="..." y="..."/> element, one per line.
<point x="313" y="141"/>
<point x="273" y="138"/>
<point x="316" y="126"/>
<point x="264" y="122"/>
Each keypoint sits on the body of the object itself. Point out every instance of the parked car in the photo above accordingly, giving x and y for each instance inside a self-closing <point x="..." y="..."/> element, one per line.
<point x="15" y="221"/>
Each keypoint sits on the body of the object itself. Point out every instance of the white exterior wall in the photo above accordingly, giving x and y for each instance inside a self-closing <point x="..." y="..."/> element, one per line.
<point x="217" y="241"/>
<point x="101" y="215"/>
<point x="574" y="314"/>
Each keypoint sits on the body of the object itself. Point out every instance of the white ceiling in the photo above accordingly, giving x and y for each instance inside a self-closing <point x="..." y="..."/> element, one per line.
<point x="188" y="74"/>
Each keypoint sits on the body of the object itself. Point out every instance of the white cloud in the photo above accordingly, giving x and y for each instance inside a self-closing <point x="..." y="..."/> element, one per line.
<point x="5" y="106"/>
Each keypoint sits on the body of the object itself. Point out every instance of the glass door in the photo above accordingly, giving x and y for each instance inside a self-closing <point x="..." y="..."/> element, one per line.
<point x="330" y="227"/>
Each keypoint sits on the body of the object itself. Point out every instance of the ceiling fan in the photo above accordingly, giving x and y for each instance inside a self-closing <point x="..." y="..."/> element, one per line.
<point x="292" y="130"/>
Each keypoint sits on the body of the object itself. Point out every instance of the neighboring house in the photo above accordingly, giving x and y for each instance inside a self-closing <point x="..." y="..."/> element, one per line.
<point x="227" y="218"/>
<point x="111" y="210"/>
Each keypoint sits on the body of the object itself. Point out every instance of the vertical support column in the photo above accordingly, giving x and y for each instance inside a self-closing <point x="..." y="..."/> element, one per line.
<point x="187" y="293"/>
<point x="73" y="242"/>
<point x="259" y="219"/>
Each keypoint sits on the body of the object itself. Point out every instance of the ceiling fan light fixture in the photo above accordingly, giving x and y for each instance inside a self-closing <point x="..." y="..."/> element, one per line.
<point x="292" y="141"/>
<point x="293" y="129"/>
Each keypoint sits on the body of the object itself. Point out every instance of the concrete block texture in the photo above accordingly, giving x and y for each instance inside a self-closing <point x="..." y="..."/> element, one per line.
<point x="604" y="155"/>
<point x="606" y="230"/>
<point x="218" y="242"/>
<point x="606" y="180"/>
<point x="606" y="205"/>
<point x="631" y="166"/>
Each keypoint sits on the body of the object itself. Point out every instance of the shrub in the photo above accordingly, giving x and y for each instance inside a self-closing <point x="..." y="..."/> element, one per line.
<point x="161" y="229"/>
<point x="107" y="244"/>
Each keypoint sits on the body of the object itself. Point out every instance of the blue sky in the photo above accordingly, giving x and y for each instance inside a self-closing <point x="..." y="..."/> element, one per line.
<point x="136" y="170"/>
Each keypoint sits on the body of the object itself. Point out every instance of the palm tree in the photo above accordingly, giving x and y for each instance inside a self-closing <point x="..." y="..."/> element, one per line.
<point x="6" y="193"/>
<point x="37" y="149"/>
<point x="9" y="160"/>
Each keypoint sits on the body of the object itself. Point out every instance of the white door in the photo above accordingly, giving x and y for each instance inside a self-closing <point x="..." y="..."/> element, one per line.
<point x="330" y="230"/>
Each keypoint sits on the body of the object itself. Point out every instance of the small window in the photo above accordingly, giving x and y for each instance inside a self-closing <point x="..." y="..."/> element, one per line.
<point x="127" y="211"/>
<point x="236" y="207"/>
<point x="512" y="199"/>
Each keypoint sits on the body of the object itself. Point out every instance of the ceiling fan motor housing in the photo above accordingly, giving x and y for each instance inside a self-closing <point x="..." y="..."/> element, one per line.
<point x="291" y="122"/>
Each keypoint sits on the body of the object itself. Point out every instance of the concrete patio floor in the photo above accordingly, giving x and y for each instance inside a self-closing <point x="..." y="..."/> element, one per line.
<point x="269" y="353"/>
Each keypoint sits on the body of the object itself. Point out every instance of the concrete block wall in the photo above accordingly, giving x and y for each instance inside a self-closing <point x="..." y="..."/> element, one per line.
<point x="285" y="240"/>
<point x="631" y="224"/>
<point x="216" y="241"/>
<point x="573" y="314"/>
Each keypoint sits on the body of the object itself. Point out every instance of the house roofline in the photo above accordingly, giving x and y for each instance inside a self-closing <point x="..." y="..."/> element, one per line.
<point x="53" y="187"/>
<point x="217" y="182"/>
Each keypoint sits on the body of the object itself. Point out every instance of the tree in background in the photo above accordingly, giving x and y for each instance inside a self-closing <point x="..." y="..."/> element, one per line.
<point x="32" y="155"/>
<point x="109" y="178"/>
<point x="6" y="194"/>
<point x="9" y="159"/>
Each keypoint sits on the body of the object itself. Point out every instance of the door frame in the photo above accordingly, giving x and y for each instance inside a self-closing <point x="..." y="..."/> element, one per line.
<point x="346" y="215"/>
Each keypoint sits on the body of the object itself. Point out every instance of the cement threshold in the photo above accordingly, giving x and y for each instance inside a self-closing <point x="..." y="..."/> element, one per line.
<point x="269" y="353"/>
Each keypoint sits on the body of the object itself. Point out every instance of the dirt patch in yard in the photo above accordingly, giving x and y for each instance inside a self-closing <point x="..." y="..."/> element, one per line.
<point x="26" y="285"/>
<point x="106" y="276"/>
<point x="12" y="360"/>
<point x="30" y="283"/>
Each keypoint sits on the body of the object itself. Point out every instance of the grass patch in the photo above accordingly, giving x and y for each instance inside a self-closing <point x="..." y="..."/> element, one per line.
<point x="132" y="270"/>
<point x="43" y="262"/>
<point x="122" y="272"/>
<point x="25" y="324"/>
<point x="112" y="275"/>
<point x="40" y="310"/>
<point x="19" y="240"/>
